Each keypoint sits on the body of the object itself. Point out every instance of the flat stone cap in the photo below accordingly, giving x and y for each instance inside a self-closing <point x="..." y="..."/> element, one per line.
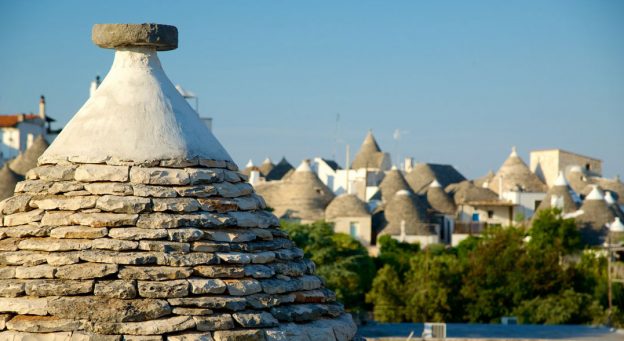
<point x="111" y="36"/>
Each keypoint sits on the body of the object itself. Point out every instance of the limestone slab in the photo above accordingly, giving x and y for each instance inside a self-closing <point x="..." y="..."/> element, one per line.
<point x="85" y="271"/>
<point x="160" y="273"/>
<point x="93" y="173"/>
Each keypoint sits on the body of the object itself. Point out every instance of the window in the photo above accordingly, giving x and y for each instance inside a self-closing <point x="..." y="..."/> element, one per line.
<point x="354" y="228"/>
<point x="537" y="203"/>
<point x="587" y="166"/>
<point x="490" y="214"/>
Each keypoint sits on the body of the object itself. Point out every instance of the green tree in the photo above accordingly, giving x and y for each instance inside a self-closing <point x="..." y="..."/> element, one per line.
<point x="340" y="260"/>
<point x="492" y="285"/>
<point x="567" y="307"/>
<point x="550" y="231"/>
<point x="432" y="288"/>
<point x="396" y="254"/>
<point x="387" y="296"/>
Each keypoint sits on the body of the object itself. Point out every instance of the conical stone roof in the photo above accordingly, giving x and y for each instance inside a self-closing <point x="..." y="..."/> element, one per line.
<point x="161" y="242"/>
<point x="281" y="170"/>
<point x="28" y="159"/>
<point x="439" y="200"/>
<point x="370" y="155"/>
<point x="516" y="176"/>
<point x="346" y="205"/>
<point x="559" y="196"/>
<point x="8" y="180"/>
<point x="392" y="182"/>
<point x="466" y="192"/>
<point x="423" y="174"/>
<point x="595" y="217"/>
<point x="266" y="167"/>
<point x="408" y="210"/>
<point x="301" y="196"/>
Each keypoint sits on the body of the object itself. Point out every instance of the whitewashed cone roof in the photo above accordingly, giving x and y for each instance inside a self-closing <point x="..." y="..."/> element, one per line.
<point x="161" y="241"/>
<point x="616" y="225"/>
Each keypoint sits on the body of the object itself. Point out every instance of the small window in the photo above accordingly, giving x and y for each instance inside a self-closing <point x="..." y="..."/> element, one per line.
<point x="587" y="166"/>
<point x="354" y="228"/>
<point x="537" y="203"/>
<point x="490" y="214"/>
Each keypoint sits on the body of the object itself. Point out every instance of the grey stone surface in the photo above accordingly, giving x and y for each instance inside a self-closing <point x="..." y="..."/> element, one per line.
<point x="157" y="36"/>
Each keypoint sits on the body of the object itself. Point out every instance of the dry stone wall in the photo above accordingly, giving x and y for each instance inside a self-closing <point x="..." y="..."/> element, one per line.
<point x="173" y="249"/>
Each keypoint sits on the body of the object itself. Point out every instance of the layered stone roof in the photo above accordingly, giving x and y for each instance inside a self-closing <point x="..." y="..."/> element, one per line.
<point x="158" y="243"/>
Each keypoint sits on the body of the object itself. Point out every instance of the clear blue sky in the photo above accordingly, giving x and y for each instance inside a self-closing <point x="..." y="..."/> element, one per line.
<point x="464" y="80"/>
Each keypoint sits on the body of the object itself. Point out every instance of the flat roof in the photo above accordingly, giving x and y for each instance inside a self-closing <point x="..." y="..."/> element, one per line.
<point x="564" y="151"/>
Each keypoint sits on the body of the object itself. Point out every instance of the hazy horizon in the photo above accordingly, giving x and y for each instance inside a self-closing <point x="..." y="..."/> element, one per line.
<point x="462" y="82"/>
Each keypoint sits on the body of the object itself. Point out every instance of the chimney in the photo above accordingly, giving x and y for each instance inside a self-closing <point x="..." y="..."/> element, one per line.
<point x="42" y="112"/>
<point x="94" y="85"/>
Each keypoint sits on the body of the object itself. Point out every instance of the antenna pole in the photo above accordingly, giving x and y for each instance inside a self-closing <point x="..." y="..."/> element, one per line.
<point x="348" y="168"/>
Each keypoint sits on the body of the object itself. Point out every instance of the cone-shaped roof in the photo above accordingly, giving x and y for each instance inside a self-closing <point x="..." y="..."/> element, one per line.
<point x="173" y="246"/>
<point x="516" y="176"/>
<point x="266" y="167"/>
<point x="421" y="176"/>
<point x="484" y="180"/>
<point x="595" y="210"/>
<point x="369" y="155"/>
<point x="346" y="205"/>
<point x="135" y="108"/>
<point x="616" y="226"/>
<point x="280" y="170"/>
<point x="559" y="196"/>
<point x="406" y="209"/>
<point x="392" y="182"/>
<point x="8" y="180"/>
<point x="28" y="159"/>
<point x="302" y="195"/>
<point x="439" y="200"/>
<point x="466" y="192"/>
<point x="577" y="179"/>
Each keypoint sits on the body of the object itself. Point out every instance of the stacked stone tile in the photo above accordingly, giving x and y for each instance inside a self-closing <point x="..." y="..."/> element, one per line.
<point x="163" y="249"/>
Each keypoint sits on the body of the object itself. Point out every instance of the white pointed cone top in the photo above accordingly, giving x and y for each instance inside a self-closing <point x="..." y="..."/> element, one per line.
<point x="304" y="166"/>
<point x="609" y="198"/>
<point x="435" y="183"/>
<point x="616" y="225"/>
<point x="136" y="115"/>
<point x="249" y="163"/>
<point x="561" y="180"/>
<point x="595" y="194"/>
<point x="514" y="152"/>
<point x="267" y="161"/>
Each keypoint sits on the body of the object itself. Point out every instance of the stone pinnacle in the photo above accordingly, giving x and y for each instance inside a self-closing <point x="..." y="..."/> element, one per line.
<point x="111" y="36"/>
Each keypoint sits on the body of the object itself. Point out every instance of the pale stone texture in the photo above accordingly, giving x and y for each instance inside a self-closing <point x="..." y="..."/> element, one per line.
<point x="116" y="289"/>
<point x="93" y="173"/>
<point x="122" y="204"/>
<point x="136" y="226"/>
<point x="43" y="324"/>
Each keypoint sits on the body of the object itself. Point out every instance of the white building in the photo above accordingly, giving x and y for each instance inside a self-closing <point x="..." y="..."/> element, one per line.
<point x="18" y="131"/>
